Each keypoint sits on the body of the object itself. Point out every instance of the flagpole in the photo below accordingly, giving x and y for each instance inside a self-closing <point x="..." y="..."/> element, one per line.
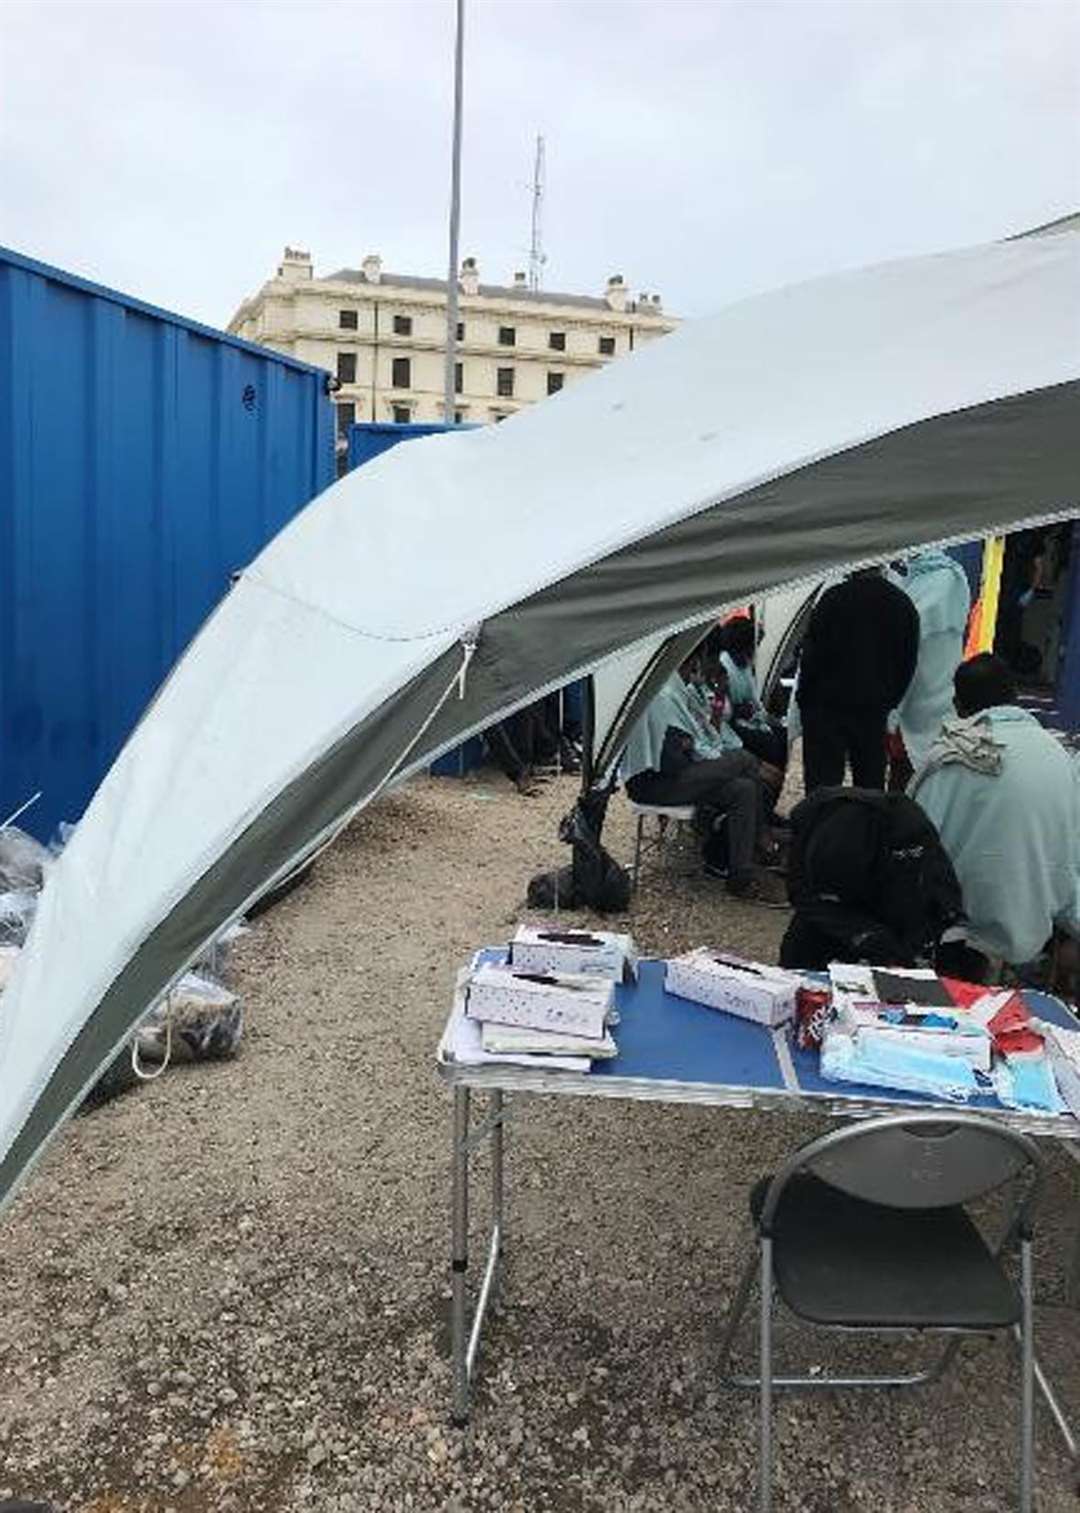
<point x="449" y="387"/>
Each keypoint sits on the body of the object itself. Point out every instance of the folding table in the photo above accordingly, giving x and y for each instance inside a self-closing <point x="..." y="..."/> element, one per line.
<point x="671" y="1051"/>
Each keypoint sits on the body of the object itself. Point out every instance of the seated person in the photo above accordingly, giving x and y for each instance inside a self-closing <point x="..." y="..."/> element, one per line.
<point x="1005" y="797"/>
<point x="676" y="756"/>
<point x="762" y="736"/>
<point x="524" y="741"/>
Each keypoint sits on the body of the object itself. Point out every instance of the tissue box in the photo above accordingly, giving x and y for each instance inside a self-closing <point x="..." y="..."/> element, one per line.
<point x="567" y="1002"/>
<point x="743" y="988"/>
<point x="589" y="953"/>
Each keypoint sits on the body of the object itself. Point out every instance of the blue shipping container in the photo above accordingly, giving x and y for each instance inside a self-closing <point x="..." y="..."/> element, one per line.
<point x="370" y="438"/>
<point x="144" y="459"/>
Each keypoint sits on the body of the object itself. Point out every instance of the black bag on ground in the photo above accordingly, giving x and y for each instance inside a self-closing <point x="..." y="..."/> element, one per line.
<point x="869" y="880"/>
<point x="596" y="880"/>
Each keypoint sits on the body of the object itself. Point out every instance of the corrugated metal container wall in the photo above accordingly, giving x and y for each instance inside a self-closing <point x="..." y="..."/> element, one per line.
<point x="143" y="460"/>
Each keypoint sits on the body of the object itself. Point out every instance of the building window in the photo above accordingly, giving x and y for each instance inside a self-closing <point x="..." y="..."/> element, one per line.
<point x="402" y="325"/>
<point x="401" y="374"/>
<point x="347" y="320"/>
<point x="402" y="415"/>
<point x="557" y="341"/>
<point x="507" y="336"/>
<point x="555" y="382"/>
<point x="498" y="415"/>
<point x="459" y="416"/>
<point x="504" y="383"/>
<point x="607" y="346"/>
<point x="346" y="367"/>
<point x="459" y="377"/>
<point x="346" y="414"/>
<point x="461" y="330"/>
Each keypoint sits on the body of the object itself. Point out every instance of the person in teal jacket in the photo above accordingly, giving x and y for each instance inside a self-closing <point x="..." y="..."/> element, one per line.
<point x="675" y="755"/>
<point x="765" y="737"/>
<point x="1005" y="797"/>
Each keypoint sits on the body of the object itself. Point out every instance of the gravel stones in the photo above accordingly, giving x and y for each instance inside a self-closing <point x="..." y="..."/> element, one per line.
<point x="228" y="1293"/>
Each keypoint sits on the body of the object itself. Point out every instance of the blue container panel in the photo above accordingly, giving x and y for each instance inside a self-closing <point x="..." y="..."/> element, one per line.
<point x="464" y="758"/>
<point x="369" y="439"/>
<point x="143" y="460"/>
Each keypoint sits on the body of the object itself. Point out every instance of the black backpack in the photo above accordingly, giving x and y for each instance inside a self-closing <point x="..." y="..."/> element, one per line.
<point x="594" y="880"/>
<point x="869" y="880"/>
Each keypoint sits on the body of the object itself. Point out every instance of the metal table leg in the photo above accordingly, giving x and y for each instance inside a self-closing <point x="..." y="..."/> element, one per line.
<point x="465" y="1342"/>
<point x="459" y="1253"/>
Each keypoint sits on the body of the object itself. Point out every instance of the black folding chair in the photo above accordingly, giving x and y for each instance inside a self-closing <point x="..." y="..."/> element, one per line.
<point x="865" y="1229"/>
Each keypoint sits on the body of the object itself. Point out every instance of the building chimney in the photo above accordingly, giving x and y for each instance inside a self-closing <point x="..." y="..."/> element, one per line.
<point x="657" y="306"/>
<point x="371" y="268"/>
<point x="616" y="292"/>
<point x="295" y="266"/>
<point x="521" y="280"/>
<point x="470" y="276"/>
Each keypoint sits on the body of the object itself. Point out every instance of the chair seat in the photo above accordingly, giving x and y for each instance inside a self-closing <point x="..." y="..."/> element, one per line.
<point x="843" y="1261"/>
<point x="684" y="812"/>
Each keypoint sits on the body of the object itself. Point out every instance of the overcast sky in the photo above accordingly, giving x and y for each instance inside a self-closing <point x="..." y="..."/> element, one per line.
<point x="704" y="150"/>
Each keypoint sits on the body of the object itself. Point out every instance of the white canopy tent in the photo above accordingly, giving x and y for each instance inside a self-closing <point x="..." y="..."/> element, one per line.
<point x="452" y="580"/>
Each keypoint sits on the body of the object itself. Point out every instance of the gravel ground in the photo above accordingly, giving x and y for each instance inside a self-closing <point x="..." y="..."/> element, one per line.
<point x="228" y="1291"/>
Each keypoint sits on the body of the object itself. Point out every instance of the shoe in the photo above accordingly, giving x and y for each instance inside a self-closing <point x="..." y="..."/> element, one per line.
<point x="773" y="857"/>
<point x="760" y="889"/>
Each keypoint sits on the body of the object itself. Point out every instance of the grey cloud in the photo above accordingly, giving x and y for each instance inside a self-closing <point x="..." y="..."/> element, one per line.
<point x="703" y="150"/>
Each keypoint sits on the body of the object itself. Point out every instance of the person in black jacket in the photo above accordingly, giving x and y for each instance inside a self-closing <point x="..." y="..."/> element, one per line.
<point x="858" y="658"/>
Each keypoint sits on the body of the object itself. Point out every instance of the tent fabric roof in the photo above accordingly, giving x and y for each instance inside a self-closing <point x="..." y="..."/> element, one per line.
<point x="831" y="422"/>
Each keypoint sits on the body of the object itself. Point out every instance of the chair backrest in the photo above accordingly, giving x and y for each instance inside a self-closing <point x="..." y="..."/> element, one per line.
<point x="916" y="1160"/>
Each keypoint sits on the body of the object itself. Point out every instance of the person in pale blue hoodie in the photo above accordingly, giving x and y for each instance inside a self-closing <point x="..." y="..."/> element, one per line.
<point x="675" y="755"/>
<point x="1005" y="797"/>
<point x="938" y="588"/>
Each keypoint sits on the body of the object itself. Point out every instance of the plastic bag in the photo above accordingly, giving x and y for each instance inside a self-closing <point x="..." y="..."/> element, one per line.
<point x="881" y="1061"/>
<point x="211" y="964"/>
<point x="64" y="832"/>
<point x="1027" y="1082"/>
<point x="200" y="1019"/>
<point x="24" y="862"/>
<point x="9" y="955"/>
<point x="17" y="910"/>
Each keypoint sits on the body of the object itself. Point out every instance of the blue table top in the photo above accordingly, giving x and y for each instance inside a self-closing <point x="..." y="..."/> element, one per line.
<point x="663" y="1038"/>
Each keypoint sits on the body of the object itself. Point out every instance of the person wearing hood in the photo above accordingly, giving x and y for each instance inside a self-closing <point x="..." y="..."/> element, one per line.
<point x="1005" y="797"/>
<point x="938" y="588"/>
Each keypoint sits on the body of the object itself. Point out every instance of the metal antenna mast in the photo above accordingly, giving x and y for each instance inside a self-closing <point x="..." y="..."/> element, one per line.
<point x="449" y="387"/>
<point x="536" y="246"/>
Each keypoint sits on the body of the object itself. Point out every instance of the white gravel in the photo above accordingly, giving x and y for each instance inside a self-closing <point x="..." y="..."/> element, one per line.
<point x="228" y="1291"/>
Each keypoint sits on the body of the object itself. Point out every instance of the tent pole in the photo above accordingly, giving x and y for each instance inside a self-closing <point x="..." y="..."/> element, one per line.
<point x="449" y="386"/>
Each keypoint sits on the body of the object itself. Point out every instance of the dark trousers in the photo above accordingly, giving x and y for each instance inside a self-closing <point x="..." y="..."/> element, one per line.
<point x="768" y="744"/>
<point x="525" y="739"/>
<point x="729" y="785"/>
<point x="832" y="737"/>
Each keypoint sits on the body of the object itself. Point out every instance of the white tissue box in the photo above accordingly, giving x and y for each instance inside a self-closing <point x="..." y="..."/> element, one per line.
<point x="565" y="1002"/>
<point x="743" y="988"/>
<point x="589" y="953"/>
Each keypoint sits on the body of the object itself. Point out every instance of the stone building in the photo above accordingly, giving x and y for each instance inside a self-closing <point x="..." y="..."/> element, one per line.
<point x="383" y="336"/>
